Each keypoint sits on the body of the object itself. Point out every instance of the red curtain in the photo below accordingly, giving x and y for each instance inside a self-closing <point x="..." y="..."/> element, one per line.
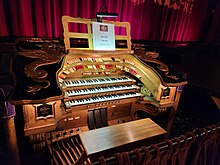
<point x="149" y="20"/>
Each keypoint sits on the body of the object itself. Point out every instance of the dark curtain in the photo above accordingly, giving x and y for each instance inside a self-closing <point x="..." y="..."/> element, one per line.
<point x="149" y="20"/>
<point x="212" y="31"/>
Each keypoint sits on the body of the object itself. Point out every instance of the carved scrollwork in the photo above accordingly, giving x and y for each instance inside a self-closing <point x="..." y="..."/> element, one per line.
<point x="48" y="54"/>
<point x="148" y="107"/>
<point x="152" y="57"/>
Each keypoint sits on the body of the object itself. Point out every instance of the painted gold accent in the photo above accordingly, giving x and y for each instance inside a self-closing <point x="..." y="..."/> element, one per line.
<point x="153" y="58"/>
<point x="49" y="54"/>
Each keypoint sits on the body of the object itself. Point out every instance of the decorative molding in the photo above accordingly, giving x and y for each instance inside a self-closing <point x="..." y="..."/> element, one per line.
<point x="49" y="54"/>
<point x="44" y="111"/>
<point x="152" y="57"/>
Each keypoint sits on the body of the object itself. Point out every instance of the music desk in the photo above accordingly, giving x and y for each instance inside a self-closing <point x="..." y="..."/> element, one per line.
<point x="121" y="137"/>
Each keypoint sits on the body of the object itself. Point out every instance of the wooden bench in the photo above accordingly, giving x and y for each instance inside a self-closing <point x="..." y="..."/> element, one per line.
<point x="121" y="137"/>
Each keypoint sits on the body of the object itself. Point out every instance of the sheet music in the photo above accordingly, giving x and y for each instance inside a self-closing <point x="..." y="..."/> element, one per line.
<point x="103" y="36"/>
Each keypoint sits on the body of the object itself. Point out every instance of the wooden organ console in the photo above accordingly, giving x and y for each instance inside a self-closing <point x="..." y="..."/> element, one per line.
<point x="88" y="89"/>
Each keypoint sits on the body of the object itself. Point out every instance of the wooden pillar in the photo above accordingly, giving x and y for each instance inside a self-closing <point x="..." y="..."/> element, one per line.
<point x="7" y="110"/>
<point x="7" y="114"/>
<point x="12" y="151"/>
<point x="173" y="112"/>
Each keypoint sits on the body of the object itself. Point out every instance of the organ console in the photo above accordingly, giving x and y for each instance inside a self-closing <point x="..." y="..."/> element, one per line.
<point x="80" y="89"/>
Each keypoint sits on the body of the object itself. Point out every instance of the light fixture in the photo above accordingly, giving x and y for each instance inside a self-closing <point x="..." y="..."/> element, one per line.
<point x="103" y="12"/>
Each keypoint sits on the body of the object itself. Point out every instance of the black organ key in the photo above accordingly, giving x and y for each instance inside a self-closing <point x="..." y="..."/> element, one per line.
<point x="98" y="121"/>
<point x="91" y="120"/>
<point x="103" y="112"/>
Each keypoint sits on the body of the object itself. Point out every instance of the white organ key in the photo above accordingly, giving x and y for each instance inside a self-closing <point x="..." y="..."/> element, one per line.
<point x="99" y="90"/>
<point x="101" y="99"/>
<point x="97" y="81"/>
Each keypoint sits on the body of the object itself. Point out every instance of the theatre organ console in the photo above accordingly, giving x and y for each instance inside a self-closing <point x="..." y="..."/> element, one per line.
<point x="81" y="89"/>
